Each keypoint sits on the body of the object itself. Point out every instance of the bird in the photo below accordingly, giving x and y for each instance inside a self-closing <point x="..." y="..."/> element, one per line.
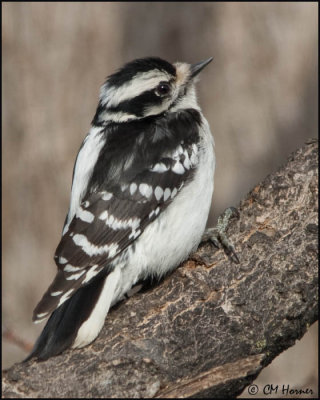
<point x="141" y="194"/>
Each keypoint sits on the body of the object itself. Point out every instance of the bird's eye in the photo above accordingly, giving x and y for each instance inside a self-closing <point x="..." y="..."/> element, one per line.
<point x="163" y="89"/>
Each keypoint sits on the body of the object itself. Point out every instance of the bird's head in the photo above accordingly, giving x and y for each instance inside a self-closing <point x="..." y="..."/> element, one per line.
<point x="147" y="87"/>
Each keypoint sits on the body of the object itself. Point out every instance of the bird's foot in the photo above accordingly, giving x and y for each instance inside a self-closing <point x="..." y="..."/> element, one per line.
<point x="218" y="237"/>
<point x="135" y="289"/>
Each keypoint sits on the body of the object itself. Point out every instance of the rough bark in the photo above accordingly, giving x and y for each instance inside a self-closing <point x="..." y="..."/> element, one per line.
<point x="208" y="329"/>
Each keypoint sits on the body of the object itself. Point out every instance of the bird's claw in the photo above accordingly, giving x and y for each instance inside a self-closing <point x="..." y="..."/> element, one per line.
<point x="217" y="235"/>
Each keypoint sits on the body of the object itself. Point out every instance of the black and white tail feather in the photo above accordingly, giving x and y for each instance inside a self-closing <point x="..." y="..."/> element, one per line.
<point x="141" y="194"/>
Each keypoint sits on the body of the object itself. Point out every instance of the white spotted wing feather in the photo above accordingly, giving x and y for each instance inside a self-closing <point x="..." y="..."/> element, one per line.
<point x="102" y="225"/>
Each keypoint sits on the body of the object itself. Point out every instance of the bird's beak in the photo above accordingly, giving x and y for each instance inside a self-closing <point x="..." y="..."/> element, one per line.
<point x="196" y="68"/>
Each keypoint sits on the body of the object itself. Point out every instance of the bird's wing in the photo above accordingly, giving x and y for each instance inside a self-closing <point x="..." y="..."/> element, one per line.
<point x="107" y="222"/>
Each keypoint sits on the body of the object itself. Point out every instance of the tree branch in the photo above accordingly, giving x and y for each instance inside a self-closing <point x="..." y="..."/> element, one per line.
<point x="207" y="329"/>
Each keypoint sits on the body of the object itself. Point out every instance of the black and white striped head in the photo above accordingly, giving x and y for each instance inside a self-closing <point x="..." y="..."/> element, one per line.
<point x="146" y="87"/>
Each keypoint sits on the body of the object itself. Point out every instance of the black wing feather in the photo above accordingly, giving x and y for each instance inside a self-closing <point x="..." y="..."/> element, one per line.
<point x="90" y="244"/>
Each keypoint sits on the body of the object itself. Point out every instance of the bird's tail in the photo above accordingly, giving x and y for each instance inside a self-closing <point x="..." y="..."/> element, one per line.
<point x="78" y="321"/>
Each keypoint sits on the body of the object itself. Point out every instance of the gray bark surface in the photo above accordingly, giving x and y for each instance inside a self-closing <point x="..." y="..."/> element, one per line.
<point x="208" y="328"/>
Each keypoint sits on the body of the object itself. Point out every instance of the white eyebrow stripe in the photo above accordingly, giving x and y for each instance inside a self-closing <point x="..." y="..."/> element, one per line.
<point x="141" y="82"/>
<point x="118" y="116"/>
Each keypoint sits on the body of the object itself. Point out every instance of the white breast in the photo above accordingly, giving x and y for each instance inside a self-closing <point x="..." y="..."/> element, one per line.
<point x="177" y="232"/>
